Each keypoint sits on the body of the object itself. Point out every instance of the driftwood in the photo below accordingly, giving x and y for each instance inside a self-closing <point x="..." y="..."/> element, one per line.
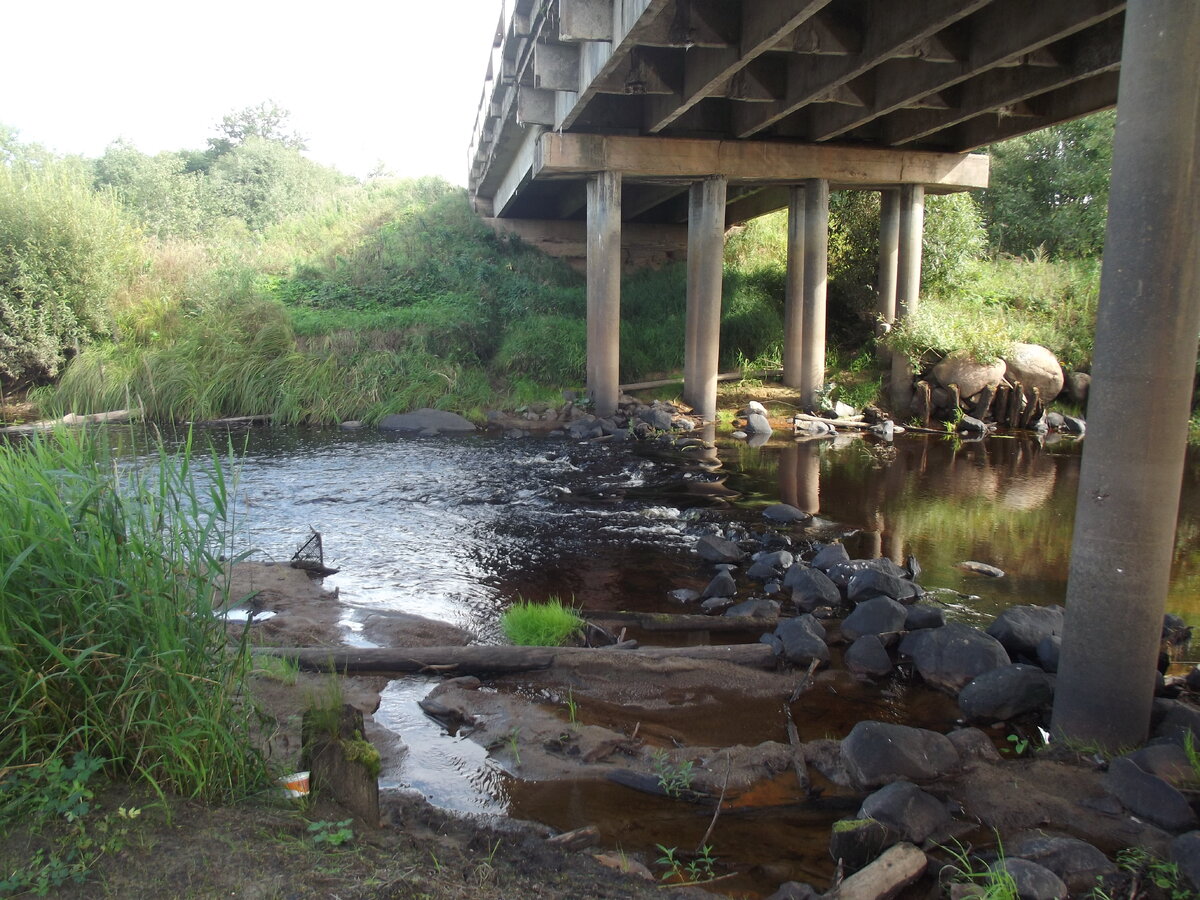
<point x="673" y="622"/>
<point x="983" y="406"/>
<point x="851" y="422"/>
<point x="235" y="420"/>
<point x="116" y="417"/>
<point x="484" y="660"/>
<point x="726" y="376"/>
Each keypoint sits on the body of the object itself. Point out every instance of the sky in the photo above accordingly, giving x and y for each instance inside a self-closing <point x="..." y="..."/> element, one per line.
<point x="365" y="81"/>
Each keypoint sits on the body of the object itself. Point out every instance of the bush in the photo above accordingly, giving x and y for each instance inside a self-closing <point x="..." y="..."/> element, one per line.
<point x="548" y="624"/>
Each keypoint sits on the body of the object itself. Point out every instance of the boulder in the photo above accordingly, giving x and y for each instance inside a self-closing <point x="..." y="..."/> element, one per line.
<point x="1076" y="862"/>
<point x="684" y="595"/>
<point x="762" y="571"/>
<point x="779" y="559"/>
<point x="1034" y="367"/>
<point x="867" y="656"/>
<point x="426" y="422"/>
<point x="828" y="556"/>
<point x="796" y="890"/>
<point x="786" y="514"/>
<point x="1185" y="853"/>
<point x="1005" y="693"/>
<point x="964" y="370"/>
<point x="719" y="550"/>
<point x="755" y="407"/>
<point x="971" y="743"/>
<point x="801" y="640"/>
<point x="1168" y="761"/>
<point x="1173" y="720"/>
<point x="722" y="585"/>
<point x="1148" y="796"/>
<point x="919" y="616"/>
<point x="907" y="810"/>
<point x="810" y="588"/>
<point x="1021" y="628"/>
<point x="585" y="428"/>
<point x="656" y="417"/>
<point x="757" y="423"/>
<point x="759" y="608"/>
<point x="880" y="615"/>
<point x="1048" y="652"/>
<point x="1033" y="882"/>
<point x="1078" y="385"/>
<point x="857" y="842"/>
<point x="869" y="582"/>
<point x="878" y="753"/>
<point x="950" y="656"/>
<point x="1074" y="425"/>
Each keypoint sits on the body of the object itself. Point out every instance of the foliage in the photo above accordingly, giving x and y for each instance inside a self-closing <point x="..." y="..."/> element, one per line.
<point x="549" y="624"/>
<point x="1165" y="876"/>
<point x="675" y="778"/>
<point x="57" y="795"/>
<point x="267" y="121"/>
<point x="331" y="834"/>
<point x="157" y="190"/>
<point x="993" y="881"/>
<point x="1049" y="189"/>
<point x="695" y="871"/>
<point x="110" y="645"/>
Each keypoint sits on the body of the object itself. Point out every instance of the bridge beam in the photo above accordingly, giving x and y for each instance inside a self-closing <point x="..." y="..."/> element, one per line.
<point x="604" y="291"/>
<point x="816" y="274"/>
<point x="706" y="253"/>
<point x="1145" y="356"/>
<point x="793" y="310"/>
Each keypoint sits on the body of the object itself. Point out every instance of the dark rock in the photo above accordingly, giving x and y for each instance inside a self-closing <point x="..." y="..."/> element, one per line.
<point x="758" y="608"/>
<point x="1033" y="882"/>
<point x="950" y="656"/>
<point x="1054" y="420"/>
<point x="772" y="587"/>
<point x="1021" y="628"/>
<point x="841" y="573"/>
<point x="1192" y="679"/>
<point x="1048" y="652"/>
<point x="1185" y="853"/>
<point x="980" y="568"/>
<point x="802" y="640"/>
<point x="1176" y="631"/>
<point x="971" y="743"/>
<point x="795" y="890"/>
<point x="1074" y="425"/>
<point x="1078" y="386"/>
<point x="780" y="559"/>
<point x="857" y="842"/>
<point x="829" y="556"/>
<point x="656" y="417"/>
<point x="715" y="604"/>
<point x="912" y="568"/>
<point x="906" y="809"/>
<point x="426" y="421"/>
<point x="1148" y="796"/>
<point x="867" y="656"/>
<point x="1004" y="693"/>
<point x="871" y="582"/>
<point x="585" y="428"/>
<point x="762" y="571"/>
<point x="920" y="616"/>
<point x="876" y="753"/>
<point x="810" y="587"/>
<point x="1168" y="761"/>
<point x="972" y="425"/>
<point x="785" y="513"/>
<point x="1173" y="720"/>
<point x="684" y="595"/>
<point x="880" y="615"/>
<point x="1076" y="862"/>
<point x="722" y="585"/>
<point x="718" y="550"/>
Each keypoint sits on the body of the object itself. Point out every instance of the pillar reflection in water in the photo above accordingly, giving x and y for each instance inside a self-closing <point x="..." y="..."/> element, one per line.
<point x="800" y="476"/>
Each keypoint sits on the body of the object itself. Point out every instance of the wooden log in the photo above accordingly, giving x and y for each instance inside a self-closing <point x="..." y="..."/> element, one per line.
<point x="334" y="755"/>
<point x="847" y="422"/>
<point x="115" y="417"/>
<point x="1033" y="407"/>
<point x="1000" y="403"/>
<point x="681" y="622"/>
<point x="898" y="867"/>
<point x="955" y="398"/>
<point x="1015" y="399"/>
<point x="923" y="402"/>
<point x="725" y="376"/>
<point x="488" y="660"/>
<point x="983" y="405"/>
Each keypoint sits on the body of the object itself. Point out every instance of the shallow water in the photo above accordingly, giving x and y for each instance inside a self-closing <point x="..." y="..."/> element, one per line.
<point x="457" y="529"/>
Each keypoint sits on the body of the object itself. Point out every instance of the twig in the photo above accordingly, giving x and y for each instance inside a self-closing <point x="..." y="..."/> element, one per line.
<point x="716" y="812"/>
<point x="805" y="682"/>
<point x="798" y="761"/>
<point x="679" y="884"/>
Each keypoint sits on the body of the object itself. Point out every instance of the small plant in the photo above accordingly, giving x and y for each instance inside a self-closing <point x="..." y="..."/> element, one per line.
<point x="548" y="624"/>
<point x="1018" y="744"/>
<point x="1164" y="875"/>
<point x="514" y="745"/>
<point x="572" y="707"/>
<point x="673" y="777"/>
<point x="695" y="871"/>
<point x="332" y="834"/>
<point x="995" y="882"/>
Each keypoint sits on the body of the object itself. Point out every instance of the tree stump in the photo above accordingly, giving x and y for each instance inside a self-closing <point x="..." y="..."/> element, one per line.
<point x="983" y="404"/>
<point x="343" y="764"/>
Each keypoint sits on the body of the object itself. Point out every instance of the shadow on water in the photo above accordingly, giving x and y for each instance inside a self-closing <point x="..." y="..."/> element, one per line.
<point x="457" y="529"/>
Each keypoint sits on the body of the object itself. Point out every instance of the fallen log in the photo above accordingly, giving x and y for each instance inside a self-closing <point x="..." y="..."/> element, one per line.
<point x="682" y="622"/>
<point x="852" y="422"/>
<point x="490" y="660"/>
<point x="724" y="376"/>
<point x="115" y="417"/>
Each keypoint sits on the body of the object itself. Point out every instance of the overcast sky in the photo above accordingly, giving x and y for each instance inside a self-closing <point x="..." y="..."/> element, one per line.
<point x="395" y="81"/>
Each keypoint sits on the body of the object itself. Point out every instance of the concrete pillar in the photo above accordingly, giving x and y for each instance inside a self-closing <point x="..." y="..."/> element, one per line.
<point x="816" y="273"/>
<point x="793" y="310"/>
<point x="1144" y="365"/>
<point x="889" y="255"/>
<point x="705" y="265"/>
<point x="908" y="261"/>
<point x="604" y="291"/>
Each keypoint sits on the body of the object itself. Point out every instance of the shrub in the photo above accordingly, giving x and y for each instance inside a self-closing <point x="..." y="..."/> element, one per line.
<point x="548" y="624"/>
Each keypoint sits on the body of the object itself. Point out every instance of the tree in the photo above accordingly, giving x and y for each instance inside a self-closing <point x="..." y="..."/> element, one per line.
<point x="267" y="121"/>
<point x="159" y="190"/>
<point x="1050" y="189"/>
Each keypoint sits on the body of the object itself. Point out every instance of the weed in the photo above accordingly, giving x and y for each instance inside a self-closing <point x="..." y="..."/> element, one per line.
<point x="698" y="869"/>
<point x="1018" y="744"/>
<point x="331" y="834"/>
<point x="1164" y="875"/>
<point x="548" y="624"/>
<point x="996" y="883"/>
<point x="572" y="707"/>
<point x="514" y="745"/>
<point x="673" y="777"/>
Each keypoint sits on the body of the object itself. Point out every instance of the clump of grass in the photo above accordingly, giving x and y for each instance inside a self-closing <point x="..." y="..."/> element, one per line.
<point x="108" y="641"/>
<point x="548" y="624"/>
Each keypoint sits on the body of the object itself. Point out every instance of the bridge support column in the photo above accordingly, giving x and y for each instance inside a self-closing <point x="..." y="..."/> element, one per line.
<point x="604" y="291"/>
<point x="793" y="310"/>
<point x="816" y="272"/>
<point x="889" y="254"/>
<point x="706" y="254"/>
<point x="1147" y="321"/>
<point x="908" y="263"/>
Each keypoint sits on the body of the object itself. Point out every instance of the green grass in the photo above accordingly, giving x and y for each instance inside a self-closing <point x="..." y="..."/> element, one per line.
<point x="108" y="642"/>
<point x="549" y="624"/>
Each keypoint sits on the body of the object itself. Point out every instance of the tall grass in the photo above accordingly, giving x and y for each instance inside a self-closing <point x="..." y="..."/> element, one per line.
<point x="108" y="641"/>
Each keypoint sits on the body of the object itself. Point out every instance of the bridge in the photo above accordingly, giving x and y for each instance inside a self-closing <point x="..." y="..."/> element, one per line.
<point x="668" y="120"/>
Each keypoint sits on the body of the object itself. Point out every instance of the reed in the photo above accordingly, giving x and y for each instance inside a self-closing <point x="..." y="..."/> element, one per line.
<point x="108" y="640"/>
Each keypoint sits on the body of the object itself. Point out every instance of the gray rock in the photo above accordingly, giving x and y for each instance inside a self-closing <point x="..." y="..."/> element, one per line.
<point x="880" y="615"/>
<point x="972" y="425"/>
<point x="684" y="595"/>
<point x="962" y="369"/>
<point x="716" y="604"/>
<point x="351" y="425"/>
<point x="780" y="559"/>
<point x="755" y="407"/>
<point x="867" y="656"/>
<point x="919" y="616"/>
<point x="906" y="809"/>
<point x="1076" y="862"/>
<point x="1168" y="761"/>
<point x="1078" y="385"/>
<point x="758" y="608"/>
<point x="1192" y="679"/>
<point x="869" y="582"/>
<point x="795" y="890"/>
<point x="980" y="568"/>
<point x="757" y="423"/>
<point x="1054" y="420"/>
<point x="1148" y="796"/>
<point x="829" y="556"/>
<point x="802" y="640"/>
<point x="877" y="753"/>
<point x="885" y="430"/>
<point x="1021" y="628"/>
<point x="656" y="417"/>
<point x="1005" y="693"/>
<point x="950" y="656"/>
<point x="785" y="513"/>
<point x="971" y="743"/>
<point x="1173" y="720"/>
<point x="857" y="842"/>
<point x="1074" y="425"/>
<point x="842" y="572"/>
<point x="431" y="421"/>
<point x="1033" y="882"/>
<point x="1049" y="649"/>
<point x="1185" y="853"/>
<point x="585" y="428"/>
<point x="719" y="550"/>
<point x="810" y="588"/>
<point x="762" y="571"/>
<point x="1034" y="367"/>
<point x="722" y="585"/>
